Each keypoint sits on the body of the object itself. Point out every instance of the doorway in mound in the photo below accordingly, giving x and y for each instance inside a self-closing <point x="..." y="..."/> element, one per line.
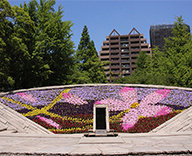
<point x="101" y="118"/>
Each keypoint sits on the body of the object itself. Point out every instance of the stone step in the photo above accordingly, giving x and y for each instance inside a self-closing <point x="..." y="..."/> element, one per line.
<point x="8" y="131"/>
<point x="179" y="123"/>
<point x="14" y="121"/>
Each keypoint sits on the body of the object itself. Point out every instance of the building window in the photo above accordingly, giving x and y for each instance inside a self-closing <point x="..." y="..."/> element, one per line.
<point x="124" y="55"/>
<point x="122" y="50"/>
<point x="134" y="53"/>
<point x="124" y="39"/>
<point x="112" y="54"/>
<point x="112" y="49"/>
<point x="105" y="49"/>
<point x="125" y="65"/>
<point x="105" y="54"/>
<point x="115" y="64"/>
<point x="114" y="59"/>
<point x="124" y="60"/>
<point x="133" y="58"/>
<point x="114" y="38"/>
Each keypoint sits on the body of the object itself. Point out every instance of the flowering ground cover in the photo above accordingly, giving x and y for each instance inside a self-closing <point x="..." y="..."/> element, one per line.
<point x="132" y="110"/>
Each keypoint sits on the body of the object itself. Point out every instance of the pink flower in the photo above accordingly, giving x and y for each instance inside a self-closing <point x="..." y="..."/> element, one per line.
<point x="66" y="95"/>
<point x="163" y="92"/>
<point x="27" y="97"/>
<point x="147" y="108"/>
<point x="74" y="99"/>
<point x="50" y="122"/>
<point x="163" y="111"/>
<point x="98" y="102"/>
<point x="126" y="127"/>
<point x="126" y="89"/>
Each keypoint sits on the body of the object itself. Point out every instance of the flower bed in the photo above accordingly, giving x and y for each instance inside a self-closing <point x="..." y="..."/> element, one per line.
<point x="132" y="110"/>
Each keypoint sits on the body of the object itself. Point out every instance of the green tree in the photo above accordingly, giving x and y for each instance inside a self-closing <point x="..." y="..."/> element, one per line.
<point x="178" y="52"/>
<point x="35" y="45"/>
<point x="53" y="46"/>
<point x="88" y="61"/>
<point x="6" y="27"/>
<point x="16" y="27"/>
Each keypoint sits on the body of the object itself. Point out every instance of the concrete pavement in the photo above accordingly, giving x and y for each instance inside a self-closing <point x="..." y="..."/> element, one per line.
<point x="77" y="144"/>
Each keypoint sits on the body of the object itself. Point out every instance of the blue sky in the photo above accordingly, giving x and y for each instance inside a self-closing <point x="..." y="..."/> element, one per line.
<point x="102" y="16"/>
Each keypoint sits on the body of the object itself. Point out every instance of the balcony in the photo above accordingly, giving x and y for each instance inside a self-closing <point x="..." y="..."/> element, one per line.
<point x="134" y="53"/>
<point x="114" y="54"/>
<point x="133" y="48"/>
<point x="115" y="43"/>
<point x="115" y="75"/>
<point x="114" y="59"/>
<point x="123" y="50"/>
<point x="133" y="63"/>
<point x="124" y="39"/>
<point x="125" y="65"/>
<point x="114" y="49"/>
<point x="104" y="59"/>
<point x="134" y="37"/>
<point x="115" y="70"/>
<point x="133" y="58"/>
<point x="105" y="49"/>
<point x="115" y="64"/>
<point x="114" y="38"/>
<point x="124" y="45"/>
<point x="126" y="71"/>
<point x="144" y="47"/>
<point x="125" y="55"/>
<point x="134" y="42"/>
<point x="124" y="60"/>
<point x="106" y="70"/>
<point x="104" y="54"/>
<point x="106" y="67"/>
<point x="143" y="40"/>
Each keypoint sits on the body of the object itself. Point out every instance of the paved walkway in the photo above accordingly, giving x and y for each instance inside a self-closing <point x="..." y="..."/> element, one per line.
<point x="77" y="144"/>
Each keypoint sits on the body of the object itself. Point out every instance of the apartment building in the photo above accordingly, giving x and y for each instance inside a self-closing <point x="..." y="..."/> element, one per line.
<point x="122" y="52"/>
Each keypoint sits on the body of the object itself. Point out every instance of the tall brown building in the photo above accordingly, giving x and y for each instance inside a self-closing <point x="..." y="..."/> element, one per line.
<point x="122" y="52"/>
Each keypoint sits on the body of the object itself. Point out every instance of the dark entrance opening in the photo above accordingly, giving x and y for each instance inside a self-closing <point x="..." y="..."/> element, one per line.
<point x="100" y="118"/>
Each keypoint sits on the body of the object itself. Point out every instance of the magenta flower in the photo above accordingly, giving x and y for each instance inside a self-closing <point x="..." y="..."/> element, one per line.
<point x="66" y="95"/>
<point x="98" y="103"/>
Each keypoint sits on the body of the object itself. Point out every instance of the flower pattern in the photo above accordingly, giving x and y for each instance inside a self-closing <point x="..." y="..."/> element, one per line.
<point x="71" y="110"/>
<point x="146" y="107"/>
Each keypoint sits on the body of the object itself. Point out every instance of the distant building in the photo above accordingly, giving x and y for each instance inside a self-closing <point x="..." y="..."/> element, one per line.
<point x="122" y="51"/>
<point x="159" y="32"/>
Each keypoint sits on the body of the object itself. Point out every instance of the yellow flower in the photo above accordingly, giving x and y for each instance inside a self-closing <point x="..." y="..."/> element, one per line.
<point x="140" y="117"/>
<point x="135" y="105"/>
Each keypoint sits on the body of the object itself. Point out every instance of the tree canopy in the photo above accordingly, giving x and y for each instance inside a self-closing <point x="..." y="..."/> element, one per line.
<point x="170" y="66"/>
<point x="35" y="45"/>
<point x="89" y="68"/>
